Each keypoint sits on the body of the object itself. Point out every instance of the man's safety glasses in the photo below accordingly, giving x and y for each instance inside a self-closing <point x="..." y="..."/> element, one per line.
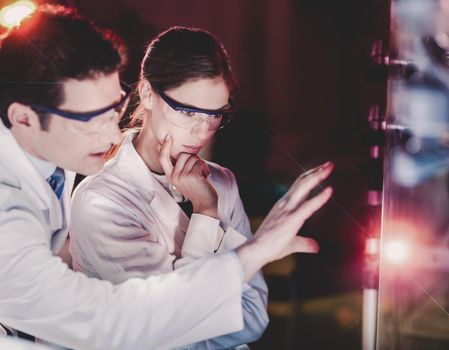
<point x="119" y="107"/>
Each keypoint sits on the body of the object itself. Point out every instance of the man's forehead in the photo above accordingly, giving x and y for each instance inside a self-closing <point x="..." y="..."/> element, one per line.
<point x="91" y="93"/>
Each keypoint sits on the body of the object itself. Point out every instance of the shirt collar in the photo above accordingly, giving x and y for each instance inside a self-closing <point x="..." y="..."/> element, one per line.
<point x="44" y="167"/>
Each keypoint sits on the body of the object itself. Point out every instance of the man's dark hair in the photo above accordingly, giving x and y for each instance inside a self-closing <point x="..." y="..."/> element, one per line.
<point x="53" y="45"/>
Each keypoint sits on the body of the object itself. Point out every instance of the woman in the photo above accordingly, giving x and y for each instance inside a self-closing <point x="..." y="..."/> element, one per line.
<point x="157" y="205"/>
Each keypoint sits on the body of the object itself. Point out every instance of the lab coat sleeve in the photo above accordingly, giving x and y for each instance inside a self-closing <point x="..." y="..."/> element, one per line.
<point x="41" y="296"/>
<point x="204" y="238"/>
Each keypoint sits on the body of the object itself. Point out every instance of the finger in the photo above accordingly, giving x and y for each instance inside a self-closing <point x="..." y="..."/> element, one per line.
<point x="191" y="163"/>
<point x="305" y="245"/>
<point x="306" y="209"/>
<point x="181" y="161"/>
<point x="302" y="186"/>
<point x="165" y="156"/>
<point x="206" y="171"/>
<point x="312" y="171"/>
<point x="200" y="169"/>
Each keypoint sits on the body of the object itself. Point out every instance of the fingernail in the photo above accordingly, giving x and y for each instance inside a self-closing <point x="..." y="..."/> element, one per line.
<point x="325" y="165"/>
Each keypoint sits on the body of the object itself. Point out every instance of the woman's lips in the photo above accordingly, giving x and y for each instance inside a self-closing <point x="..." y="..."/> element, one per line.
<point x="192" y="149"/>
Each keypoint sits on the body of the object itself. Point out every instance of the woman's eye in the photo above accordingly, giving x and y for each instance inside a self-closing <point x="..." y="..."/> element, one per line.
<point x="217" y="116"/>
<point x="188" y="113"/>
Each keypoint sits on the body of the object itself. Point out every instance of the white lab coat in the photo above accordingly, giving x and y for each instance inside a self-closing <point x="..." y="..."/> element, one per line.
<point x="125" y="224"/>
<point x="41" y="296"/>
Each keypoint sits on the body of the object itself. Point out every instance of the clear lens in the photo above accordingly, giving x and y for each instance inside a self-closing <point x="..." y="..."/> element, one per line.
<point x="189" y="120"/>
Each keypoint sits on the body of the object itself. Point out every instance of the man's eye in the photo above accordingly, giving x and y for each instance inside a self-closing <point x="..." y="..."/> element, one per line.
<point x="217" y="116"/>
<point x="188" y="113"/>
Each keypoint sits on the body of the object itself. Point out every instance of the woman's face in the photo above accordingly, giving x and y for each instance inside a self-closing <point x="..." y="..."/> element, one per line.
<point x="189" y="131"/>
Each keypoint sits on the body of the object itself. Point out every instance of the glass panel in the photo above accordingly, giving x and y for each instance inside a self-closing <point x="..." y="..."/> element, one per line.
<point x="414" y="267"/>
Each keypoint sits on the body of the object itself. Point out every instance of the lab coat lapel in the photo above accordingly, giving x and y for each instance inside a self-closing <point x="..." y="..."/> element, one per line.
<point x="30" y="181"/>
<point x="33" y="184"/>
<point x="164" y="207"/>
<point x="167" y="208"/>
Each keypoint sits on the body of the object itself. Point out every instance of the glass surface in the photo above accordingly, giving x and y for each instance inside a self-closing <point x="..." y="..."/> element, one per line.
<point x="413" y="309"/>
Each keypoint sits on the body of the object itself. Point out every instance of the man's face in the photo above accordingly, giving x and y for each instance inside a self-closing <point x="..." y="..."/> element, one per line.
<point x="77" y="145"/>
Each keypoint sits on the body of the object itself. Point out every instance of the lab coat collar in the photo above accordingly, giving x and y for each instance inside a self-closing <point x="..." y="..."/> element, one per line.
<point x="32" y="182"/>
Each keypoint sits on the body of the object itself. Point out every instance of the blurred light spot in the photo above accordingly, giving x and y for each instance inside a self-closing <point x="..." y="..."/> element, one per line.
<point x="12" y="15"/>
<point x="397" y="251"/>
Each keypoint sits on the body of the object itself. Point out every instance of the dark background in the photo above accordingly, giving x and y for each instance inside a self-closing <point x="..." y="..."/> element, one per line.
<point x="306" y="85"/>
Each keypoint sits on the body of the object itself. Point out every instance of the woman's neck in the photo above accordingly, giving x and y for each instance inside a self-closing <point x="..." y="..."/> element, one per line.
<point x="147" y="146"/>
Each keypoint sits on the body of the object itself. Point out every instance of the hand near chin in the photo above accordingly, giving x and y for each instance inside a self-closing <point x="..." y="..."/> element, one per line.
<point x="189" y="175"/>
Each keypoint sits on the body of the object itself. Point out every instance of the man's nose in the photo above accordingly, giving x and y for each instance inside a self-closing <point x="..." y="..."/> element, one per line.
<point x="112" y="133"/>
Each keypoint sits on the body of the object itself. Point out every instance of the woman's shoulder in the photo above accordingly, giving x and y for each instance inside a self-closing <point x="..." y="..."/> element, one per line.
<point x="220" y="172"/>
<point x="107" y="178"/>
<point x="109" y="185"/>
<point x="222" y="178"/>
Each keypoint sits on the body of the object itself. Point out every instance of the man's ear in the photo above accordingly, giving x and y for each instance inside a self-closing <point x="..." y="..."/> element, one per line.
<point x="146" y="94"/>
<point x="23" y="118"/>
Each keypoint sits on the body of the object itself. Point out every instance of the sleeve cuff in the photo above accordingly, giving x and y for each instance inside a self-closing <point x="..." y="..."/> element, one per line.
<point x="203" y="237"/>
<point x="231" y="240"/>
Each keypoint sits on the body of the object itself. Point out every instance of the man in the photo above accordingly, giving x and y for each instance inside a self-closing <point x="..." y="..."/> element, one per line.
<point x="60" y="104"/>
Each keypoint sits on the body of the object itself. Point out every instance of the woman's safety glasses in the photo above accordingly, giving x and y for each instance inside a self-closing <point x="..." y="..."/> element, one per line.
<point x="189" y="116"/>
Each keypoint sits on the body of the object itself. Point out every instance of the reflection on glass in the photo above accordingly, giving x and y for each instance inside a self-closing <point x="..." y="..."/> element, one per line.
<point x="414" y="269"/>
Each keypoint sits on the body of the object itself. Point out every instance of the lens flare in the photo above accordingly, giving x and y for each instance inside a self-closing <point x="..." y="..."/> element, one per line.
<point x="12" y="15"/>
<point x="397" y="251"/>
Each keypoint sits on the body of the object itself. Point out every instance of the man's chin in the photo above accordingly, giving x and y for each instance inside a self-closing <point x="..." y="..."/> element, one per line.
<point x="90" y="170"/>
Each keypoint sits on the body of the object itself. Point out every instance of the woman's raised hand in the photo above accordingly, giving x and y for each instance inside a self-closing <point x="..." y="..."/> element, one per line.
<point x="277" y="235"/>
<point x="188" y="174"/>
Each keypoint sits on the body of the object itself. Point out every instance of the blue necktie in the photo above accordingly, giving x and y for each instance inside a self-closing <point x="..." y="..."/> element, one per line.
<point x="56" y="181"/>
